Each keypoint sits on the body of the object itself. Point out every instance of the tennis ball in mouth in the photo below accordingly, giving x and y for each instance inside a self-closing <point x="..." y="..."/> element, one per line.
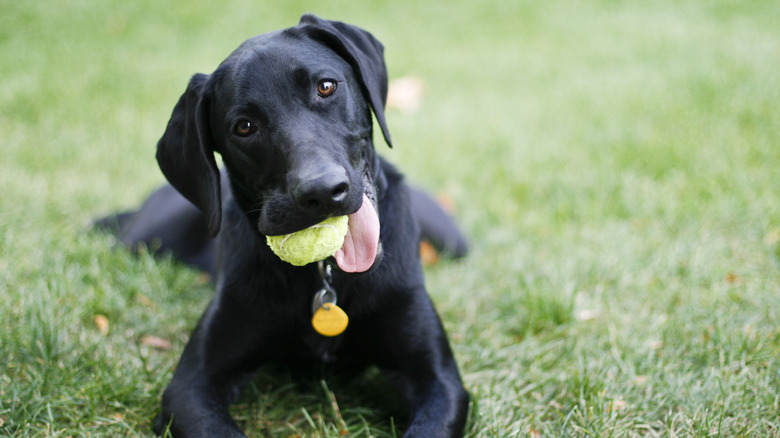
<point x="312" y="244"/>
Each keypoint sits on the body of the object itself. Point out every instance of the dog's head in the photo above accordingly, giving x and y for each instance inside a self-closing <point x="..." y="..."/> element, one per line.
<point x="290" y="114"/>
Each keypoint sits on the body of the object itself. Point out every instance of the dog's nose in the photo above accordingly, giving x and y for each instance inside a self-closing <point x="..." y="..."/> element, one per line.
<point x="324" y="194"/>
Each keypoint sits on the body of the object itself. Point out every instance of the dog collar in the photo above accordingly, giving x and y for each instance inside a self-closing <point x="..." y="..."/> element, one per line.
<point x="328" y="319"/>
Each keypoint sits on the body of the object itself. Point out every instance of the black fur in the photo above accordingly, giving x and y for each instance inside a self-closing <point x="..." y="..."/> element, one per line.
<point x="308" y="156"/>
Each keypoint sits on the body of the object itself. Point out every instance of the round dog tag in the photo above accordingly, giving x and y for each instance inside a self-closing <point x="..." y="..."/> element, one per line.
<point x="330" y="320"/>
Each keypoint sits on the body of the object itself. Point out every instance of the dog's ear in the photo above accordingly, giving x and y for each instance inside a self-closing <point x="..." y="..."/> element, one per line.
<point x="185" y="153"/>
<point x="363" y="52"/>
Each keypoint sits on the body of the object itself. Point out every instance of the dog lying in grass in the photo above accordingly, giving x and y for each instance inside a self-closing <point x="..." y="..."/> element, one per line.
<point x="290" y="112"/>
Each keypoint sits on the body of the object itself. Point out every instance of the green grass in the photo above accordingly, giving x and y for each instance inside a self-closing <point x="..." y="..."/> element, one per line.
<point x="616" y="164"/>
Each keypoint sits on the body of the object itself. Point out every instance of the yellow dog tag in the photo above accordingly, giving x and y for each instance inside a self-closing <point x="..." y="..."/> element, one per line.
<point x="330" y="320"/>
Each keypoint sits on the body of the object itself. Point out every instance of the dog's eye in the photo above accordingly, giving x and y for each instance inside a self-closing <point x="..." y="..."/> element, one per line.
<point x="326" y="87"/>
<point x="244" y="128"/>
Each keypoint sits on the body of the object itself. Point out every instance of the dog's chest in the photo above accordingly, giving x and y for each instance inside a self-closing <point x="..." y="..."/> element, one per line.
<point x="323" y="349"/>
<point x="297" y="336"/>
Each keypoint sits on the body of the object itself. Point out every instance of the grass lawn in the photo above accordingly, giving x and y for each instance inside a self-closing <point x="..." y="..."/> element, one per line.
<point x="615" y="163"/>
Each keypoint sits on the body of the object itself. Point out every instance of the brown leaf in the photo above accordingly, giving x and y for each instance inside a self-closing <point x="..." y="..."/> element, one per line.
<point x="618" y="405"/>
<point x="446" y="202"/>
<point x="203" y="278"/>
<point x="156" y="342"/>
<point x="428" y="254"/>
<point x="102" y="324"/>
<point x="143" y="300"/>
<point x="405" y="94"/>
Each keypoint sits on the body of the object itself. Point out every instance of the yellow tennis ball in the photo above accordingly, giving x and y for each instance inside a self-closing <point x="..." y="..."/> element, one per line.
<point x="312" y="244"/>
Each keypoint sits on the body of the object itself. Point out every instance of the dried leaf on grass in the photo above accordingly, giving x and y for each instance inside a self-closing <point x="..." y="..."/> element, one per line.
<point x="101" y="321"/>
<point x="156" y="342"/>
<point x="405" y="94"/>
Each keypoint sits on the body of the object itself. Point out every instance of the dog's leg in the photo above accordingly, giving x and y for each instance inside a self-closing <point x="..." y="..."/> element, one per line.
<point x="437" y="226"/>
<point x="208" y="378"/>
<point x="425" y="371"/>
<point x="165" y="223"/>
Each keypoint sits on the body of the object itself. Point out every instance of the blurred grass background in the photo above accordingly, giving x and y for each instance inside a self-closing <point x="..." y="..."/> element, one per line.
<point x="616" y="164"/>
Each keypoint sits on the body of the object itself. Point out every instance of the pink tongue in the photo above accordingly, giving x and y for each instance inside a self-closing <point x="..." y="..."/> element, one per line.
<point x="362" y="240"/>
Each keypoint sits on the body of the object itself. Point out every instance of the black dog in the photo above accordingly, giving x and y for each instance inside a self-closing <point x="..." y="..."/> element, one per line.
<point x="290" y="112"/>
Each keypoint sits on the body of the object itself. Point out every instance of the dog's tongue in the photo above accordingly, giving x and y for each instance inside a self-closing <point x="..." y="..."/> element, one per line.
<point x="362" y="240"/>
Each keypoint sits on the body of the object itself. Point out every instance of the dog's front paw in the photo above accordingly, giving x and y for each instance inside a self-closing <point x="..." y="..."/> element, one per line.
<point x="161" y="425"/>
